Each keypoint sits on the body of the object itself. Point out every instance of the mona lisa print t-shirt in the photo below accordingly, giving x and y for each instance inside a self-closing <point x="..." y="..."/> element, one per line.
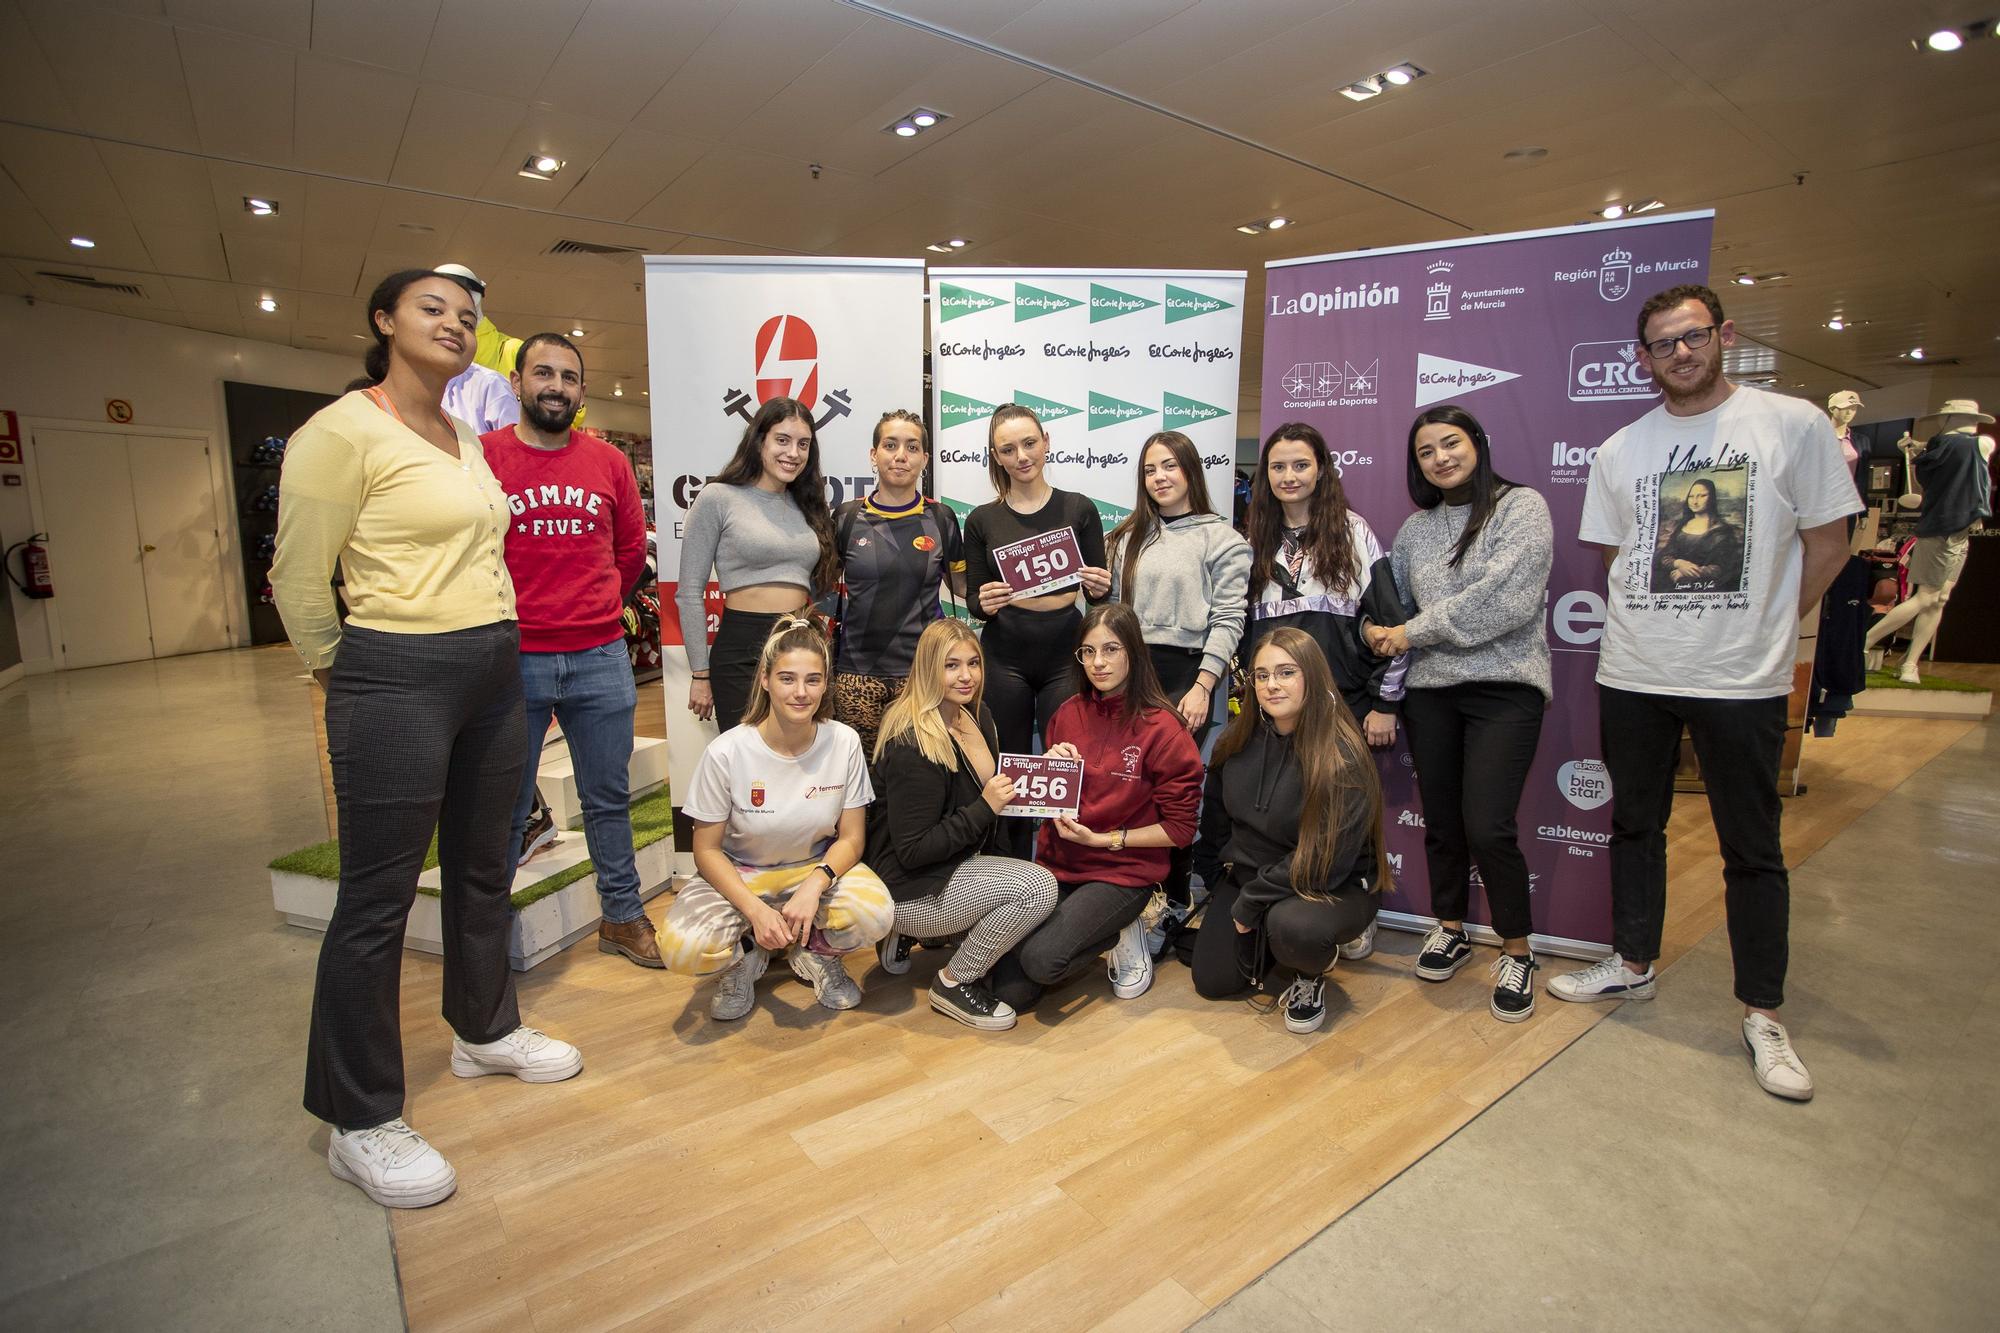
<point x="1703" y="596"/>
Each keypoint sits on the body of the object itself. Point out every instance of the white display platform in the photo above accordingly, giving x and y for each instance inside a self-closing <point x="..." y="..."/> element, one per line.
<point x="541" y="930"/>
<point x="556" y="776"/>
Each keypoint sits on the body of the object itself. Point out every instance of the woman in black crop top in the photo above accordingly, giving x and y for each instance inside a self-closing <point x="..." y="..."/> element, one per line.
<point x="1028" y="640"/>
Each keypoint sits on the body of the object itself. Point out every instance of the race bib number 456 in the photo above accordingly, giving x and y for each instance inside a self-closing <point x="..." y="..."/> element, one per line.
<point x="1043" y="787"/>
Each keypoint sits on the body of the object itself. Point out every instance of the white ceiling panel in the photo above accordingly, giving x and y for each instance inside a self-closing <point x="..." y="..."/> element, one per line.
<point x="1188" y="41"/>
<point x="261" y="263"/>
<point x="58" y="171"/>
<point x="331" y="269"/>
<point x="340" y="213"/>
<point x="1067" y="36"/>
<point x="576" y="141"/>
<point x="287" y="21"/>
<point x="198" y="297"/>
<point x="752" y="54"/>
<point x="161" y="187"/>
<point x="453" y="139"/>
<point x="31" y="91"/>
<point x="498" y="43"/>
<point x="92" y="50"/>
<point x="391" y="33"/>
<point x="636" y="167"/>
<point x="229" y="326"/>
<point x="622" y="51"/>
<point x="241" y="89"/>
<point x="416" y="224"/>
<point x="350" y="117"/>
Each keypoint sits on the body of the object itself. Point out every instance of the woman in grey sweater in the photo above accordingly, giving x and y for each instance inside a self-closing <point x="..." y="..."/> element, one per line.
<point x="1472" y="565"/>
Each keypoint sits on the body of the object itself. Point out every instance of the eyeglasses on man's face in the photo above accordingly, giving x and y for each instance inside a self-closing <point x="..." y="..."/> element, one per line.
<point x="1111" y="652"/>
<point x="1696" y="339"/>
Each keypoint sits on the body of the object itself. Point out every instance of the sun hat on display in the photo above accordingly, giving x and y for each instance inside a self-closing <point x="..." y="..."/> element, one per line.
<point x="469" y="280"/>
<point x="1843" y="398"/>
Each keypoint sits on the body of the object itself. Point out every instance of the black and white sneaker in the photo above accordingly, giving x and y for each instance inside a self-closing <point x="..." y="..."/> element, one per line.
<point x="1514" y="987"/>
<point x="893" y="952"/>
<point x="972" y="1004"/>
<point x="1444" y="952"/>
<point x="1304" y="1003"/>
<point x="540" y="833"/>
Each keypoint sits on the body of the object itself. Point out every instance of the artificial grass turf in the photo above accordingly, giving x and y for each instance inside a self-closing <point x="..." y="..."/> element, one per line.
<point x="1888" y="680"/>
<point x="652" y="820"/>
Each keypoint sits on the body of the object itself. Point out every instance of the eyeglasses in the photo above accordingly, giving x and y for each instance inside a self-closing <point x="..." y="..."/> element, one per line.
<point x="1696" y="339"/>
<point x="1111" y="652"/>
<point x="1284" y="675"/>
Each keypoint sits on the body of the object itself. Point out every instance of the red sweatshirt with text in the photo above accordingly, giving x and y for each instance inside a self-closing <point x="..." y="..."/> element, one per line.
<point x="576" y="538"/>
<point x="1135" y="774"/>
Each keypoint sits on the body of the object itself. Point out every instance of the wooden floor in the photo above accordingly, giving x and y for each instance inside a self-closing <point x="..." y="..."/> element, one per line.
<point x="1108" y="1164"/>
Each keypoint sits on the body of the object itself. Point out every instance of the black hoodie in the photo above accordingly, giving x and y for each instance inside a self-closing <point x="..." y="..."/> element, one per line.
<point x="1250" y="822"/>
<point x="927" y="819"/>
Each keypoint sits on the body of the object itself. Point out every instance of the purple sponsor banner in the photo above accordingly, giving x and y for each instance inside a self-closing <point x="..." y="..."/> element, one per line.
<point x="1533" y="334"/>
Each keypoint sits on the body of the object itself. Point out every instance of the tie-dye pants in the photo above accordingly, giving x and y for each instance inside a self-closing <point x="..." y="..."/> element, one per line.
<point x="703" y="934"/>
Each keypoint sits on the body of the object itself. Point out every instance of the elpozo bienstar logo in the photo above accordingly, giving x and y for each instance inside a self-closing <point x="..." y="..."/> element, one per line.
<point x="1584" y="783"/>
<point x="1609" y="370"/>
<point x="1441" y="377"/>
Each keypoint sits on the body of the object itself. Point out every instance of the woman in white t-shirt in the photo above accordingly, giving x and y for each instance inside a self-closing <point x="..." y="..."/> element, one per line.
<point x="778" y="807"/>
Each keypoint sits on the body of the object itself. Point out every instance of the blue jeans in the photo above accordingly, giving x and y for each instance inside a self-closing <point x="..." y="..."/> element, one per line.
<point x="591" y="694"/>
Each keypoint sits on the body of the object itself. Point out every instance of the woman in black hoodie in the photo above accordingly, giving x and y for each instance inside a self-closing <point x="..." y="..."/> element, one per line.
<point x="940" y="798"/>
<point x="1291" y="835"/>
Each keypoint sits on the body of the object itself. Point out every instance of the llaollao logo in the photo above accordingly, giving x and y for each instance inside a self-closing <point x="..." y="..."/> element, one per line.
<point x="1584" y="783"/>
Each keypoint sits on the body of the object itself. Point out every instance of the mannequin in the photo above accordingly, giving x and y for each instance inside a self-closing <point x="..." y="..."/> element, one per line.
<point x="1842" y="407"/>
<point x="1947" y="464"/>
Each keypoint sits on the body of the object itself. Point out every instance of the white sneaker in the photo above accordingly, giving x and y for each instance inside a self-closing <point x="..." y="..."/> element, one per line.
<point x="1908" y="675"/>
<point x="1359" y="948"/>
<point x="392" y="1164"/>
<point x="736" y="989"/>
<point x="531" y="1056"/>
<point x="832" y="987"/>
<point x="1606" y="979"/>
<point x="1131" y="966"/>
<point x="1777" y="1066"/>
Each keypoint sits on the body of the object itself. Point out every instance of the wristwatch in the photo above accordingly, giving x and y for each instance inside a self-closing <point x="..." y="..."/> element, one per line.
<point x="831" y="878"/>
<point x="1119" y="845"/>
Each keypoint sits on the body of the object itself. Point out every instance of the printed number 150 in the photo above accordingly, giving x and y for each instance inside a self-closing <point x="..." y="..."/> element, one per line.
<point x="1036" y="567"/>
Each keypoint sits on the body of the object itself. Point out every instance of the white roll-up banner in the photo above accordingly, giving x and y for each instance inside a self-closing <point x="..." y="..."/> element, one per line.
<point x="1105" y="357"/>
<point x="727" y="334"/>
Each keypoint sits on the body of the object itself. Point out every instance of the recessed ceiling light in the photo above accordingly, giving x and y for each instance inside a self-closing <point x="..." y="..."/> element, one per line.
<point x="905" y="130"/>
<point x="1915" y="354"/>
<point x="1612" y="212"/>
<point x="540" y="167"/>
<point x="956" y="242"/>
<point x="1361" y="91"/>
<point x="618" y="391"/>
<point x="1836" y="324"/>
<point x="576" y="333"/>
<point x="83" y="242"/>
<point x="268" y="304"/>
<point x="1944" y="39"/>
<point x="941" y="249"/>
<point x="1277" y="224"/>
<point x="1258" y="226"/>
<point x="263" y="208"/>
<point x="923" y="120"/>
<point x="1647" y="206"/>
<point x="1745" y="280"/>
<point x="1403" y="75"/>
<point x="915" y="122"/>
<point x="1251" y="229"/>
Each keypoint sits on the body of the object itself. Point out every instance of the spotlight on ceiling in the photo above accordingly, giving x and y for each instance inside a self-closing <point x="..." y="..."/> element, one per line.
<point x="905" y="130"/>
<point x="83" y="242"/>
<point x="576" y="333"/>
<point x="1915" y="354"/>
<point x="1745" y="280"/>
<point x="268" y="304"/>
<point x="1611" y="212"/>
<point x="1836" y="323"/>
<point x="1944" y="39"/>
<point x="1645" y="206"/>
<point x="1277" y="224"/>
<point x="1362" y="90"/>
<point x="912" y="123"/>
<point x="618" y="391"/>
<point x="1258" y="226"/>
<point x="540" y="167"/>
<point x="262" y="208"/>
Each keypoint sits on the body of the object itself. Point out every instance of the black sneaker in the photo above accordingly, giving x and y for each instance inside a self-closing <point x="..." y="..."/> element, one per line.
<point x="541" y="832"/>
<point x="1514" y="987"/>
<point x="893" y="952"/>
<point x="1444" y="952"/>
<point x="972" y="1004"/>
<point x="1304" y="1003"/>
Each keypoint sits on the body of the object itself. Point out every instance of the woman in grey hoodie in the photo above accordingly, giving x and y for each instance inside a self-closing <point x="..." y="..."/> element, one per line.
<point x="1185" y="572"/>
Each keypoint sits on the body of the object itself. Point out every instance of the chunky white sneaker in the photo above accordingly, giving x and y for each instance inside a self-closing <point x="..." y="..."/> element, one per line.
<point x="736" y="989"/>
<point x="392" y="1164"/>
<point x="1606" y="979"/>
<point x="1131" y="965"/>
<point x="827" y="975"/>
<point x="531" y="1056"/>
<point x="1361" y="946"/>
<point x="893" y="952"/>
<point x="1779" y="1070"/>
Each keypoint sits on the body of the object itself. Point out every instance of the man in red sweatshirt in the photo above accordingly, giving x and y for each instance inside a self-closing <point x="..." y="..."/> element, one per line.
<point x="576" y="546"/>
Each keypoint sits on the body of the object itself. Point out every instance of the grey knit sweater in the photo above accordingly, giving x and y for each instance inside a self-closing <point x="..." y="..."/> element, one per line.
<point x="1481" y="621"/>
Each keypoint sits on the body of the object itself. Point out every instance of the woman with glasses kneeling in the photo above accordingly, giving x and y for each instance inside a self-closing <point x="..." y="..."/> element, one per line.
<point x="1141" y="788"/>
<point x="1291" y="835"/>
<point x="778" y="808"/>
<point x="942" y="794"/>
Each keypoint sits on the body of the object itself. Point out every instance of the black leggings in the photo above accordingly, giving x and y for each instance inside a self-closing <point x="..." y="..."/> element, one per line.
<point x="1067" y="943"/>
<point x="732" y="660"/>
<point x="1028" y="660"/>
<point x="425" y="731"/>
<point x="1473" y="745"/>
<point x="1177" y="669"/>
<point x="1299" y="938"/>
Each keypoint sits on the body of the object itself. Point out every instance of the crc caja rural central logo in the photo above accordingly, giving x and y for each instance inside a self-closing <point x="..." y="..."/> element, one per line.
<point x="787" y="366"/>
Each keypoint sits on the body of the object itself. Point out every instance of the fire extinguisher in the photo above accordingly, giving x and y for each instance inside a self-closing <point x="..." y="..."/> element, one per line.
<point x="35" y="561"/>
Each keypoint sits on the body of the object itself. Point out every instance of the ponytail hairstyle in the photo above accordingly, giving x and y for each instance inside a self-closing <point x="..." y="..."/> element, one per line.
<point x="387" y="294"/>
<point x="1487" y="485"/>
<point x="791" y="634"/>
<point x="1142" y="684"/>
<point x="1138" y="528"/>
<point x="808" y="489"/>
<point x="902" y="414"/>
<point x="1336" y="768"/>
<point x="1328" y="542"/>
<point x="1006" y="412"/>
<point x="916" y="711"/>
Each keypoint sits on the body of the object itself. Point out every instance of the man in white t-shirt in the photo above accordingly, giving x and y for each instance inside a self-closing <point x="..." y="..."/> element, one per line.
<point x="1721" y="517"/>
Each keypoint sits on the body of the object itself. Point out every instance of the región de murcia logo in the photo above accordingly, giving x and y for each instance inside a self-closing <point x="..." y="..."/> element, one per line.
<point x="787" y="363"/>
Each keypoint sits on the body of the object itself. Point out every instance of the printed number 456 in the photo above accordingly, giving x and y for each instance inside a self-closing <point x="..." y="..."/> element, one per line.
<point x="1050" y="787"/>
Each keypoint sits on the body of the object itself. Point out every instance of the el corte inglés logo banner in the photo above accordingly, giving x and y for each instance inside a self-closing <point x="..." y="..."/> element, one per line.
<point x="1105" y="302"/>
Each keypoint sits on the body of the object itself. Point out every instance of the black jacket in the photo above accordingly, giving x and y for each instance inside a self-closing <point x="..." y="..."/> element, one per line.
<point x="1250" y="824"/>
<point x="926" y="819"/>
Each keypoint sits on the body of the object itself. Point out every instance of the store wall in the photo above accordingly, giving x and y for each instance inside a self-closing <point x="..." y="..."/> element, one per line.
<point x="63" y="363"/>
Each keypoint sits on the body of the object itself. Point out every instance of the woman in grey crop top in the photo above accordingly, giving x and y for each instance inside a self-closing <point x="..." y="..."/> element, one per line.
<point x="764" y="527"/>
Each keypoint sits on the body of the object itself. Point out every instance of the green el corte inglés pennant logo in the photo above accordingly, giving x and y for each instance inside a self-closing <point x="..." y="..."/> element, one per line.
<point x="1110" y="303"/>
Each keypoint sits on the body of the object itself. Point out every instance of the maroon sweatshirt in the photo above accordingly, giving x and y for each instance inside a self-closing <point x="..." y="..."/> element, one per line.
<point x="1135" y="774"/>
<point x="576" y="538"/>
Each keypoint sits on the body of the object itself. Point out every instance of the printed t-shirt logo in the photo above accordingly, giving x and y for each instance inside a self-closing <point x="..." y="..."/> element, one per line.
<point x="757" y="795"/>
<point x="923" y="541"/>
<point x="1130" y="754"/>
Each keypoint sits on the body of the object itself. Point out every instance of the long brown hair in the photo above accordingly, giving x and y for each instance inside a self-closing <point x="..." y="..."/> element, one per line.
<point x="1329" y="543"/>
<point x="792" y="634"/>
<point x="1139" y="526"/>
<point x="916" y="712"/>
<point x="1336" y="767"/>
<point x="808" y="489"/>
<point x="1142" y="683"/>
<point x="1000" y="477"/>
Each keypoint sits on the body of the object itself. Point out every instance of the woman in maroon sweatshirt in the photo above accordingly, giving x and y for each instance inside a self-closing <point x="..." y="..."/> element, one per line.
<point x="1141" y="789"/>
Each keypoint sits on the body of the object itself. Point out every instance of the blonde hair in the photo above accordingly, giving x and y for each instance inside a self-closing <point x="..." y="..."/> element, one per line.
<point x="916" y="710"/>
<point x="793" y="634"/>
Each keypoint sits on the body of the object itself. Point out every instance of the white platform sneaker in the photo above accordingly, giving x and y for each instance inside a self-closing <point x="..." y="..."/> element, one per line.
<point x="392" y="1164"/>
<point x="531" y="1056"/>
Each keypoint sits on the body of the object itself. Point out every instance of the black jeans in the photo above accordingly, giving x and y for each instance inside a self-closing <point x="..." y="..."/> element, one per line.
<point x="1177" y="669"/>
<point x="425" y="732"/>
<point x="1487" y="731"/>
<point x="1738" y="742"/>
<point x="1029" y="655"/>
<point x="732" y="661"/>
<point x="1085" y="923"/>
<point x="1299" y="938"/>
